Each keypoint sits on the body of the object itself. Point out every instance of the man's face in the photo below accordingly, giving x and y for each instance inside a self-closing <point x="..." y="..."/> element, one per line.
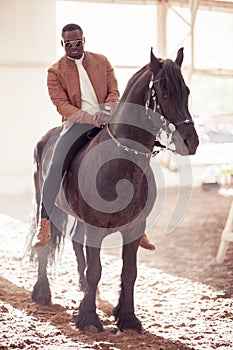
<point x="73" y="43"/>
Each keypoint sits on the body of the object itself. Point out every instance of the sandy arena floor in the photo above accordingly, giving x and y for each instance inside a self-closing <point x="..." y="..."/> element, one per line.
<point x="183" y="298"/>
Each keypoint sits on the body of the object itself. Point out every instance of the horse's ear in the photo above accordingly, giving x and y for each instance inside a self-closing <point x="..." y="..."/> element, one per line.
<point x="180" y="57"/>
<point x="155" y="65"/>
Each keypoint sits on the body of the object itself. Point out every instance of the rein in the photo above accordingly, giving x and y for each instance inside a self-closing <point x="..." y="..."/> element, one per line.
<point x="126" y="148"/>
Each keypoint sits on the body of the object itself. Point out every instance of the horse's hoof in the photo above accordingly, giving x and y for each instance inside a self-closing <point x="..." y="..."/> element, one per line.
<point x="88" y="322"/>
<point x="41" y="293"/>
<point x="128" y="321"/>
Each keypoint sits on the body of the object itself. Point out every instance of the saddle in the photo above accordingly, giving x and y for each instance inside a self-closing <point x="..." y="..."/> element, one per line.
<point x="44" y="151"/>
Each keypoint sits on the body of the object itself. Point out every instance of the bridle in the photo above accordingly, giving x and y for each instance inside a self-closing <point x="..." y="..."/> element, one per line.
<point x="156" y="108"/>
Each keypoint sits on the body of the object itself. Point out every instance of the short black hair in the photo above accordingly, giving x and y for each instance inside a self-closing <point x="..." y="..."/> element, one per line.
<point x="70" y="27"/>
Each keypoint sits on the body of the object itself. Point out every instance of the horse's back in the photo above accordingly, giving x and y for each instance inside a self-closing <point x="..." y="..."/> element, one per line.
<point x="46" y="142"/>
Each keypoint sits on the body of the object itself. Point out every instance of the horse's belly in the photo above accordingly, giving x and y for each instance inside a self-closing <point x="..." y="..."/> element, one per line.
<point x="113" y="197"/>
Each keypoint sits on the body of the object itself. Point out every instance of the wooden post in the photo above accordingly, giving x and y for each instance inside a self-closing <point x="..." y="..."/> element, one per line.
<point x="227" y="236"/>
<point x="162" y="28"/>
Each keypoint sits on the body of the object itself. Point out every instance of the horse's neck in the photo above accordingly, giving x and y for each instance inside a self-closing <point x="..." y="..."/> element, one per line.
<point x="131" y="123"/>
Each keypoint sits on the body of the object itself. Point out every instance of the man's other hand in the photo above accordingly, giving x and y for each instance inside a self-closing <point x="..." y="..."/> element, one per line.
<point x="100" y="118"/>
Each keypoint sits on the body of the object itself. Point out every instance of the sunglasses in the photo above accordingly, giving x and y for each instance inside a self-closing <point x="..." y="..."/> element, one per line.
<point x="68" y="44"/>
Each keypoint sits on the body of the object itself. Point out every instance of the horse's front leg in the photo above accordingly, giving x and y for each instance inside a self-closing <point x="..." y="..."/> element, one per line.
<point x="81" y="262"/>
<point x="78" y="247"/>
<point x="124" y="311"/>
<point x="87" y="317"/>
<point x="41" y="293"/>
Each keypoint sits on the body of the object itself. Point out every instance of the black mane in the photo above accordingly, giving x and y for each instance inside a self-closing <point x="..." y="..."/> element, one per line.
<point x="169" y="80"/>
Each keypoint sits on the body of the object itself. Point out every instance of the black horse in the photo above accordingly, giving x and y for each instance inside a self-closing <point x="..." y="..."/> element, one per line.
<point x="110" y="187"/>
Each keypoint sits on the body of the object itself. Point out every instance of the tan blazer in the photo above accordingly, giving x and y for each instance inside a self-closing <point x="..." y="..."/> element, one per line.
<point x="64" y="86"/>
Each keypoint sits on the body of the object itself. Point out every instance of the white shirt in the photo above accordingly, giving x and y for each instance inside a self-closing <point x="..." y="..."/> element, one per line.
<point x="89" y="102"/>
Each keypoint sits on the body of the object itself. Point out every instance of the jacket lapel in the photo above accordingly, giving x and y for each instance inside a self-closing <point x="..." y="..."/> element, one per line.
<point x="72" y="76"/>
<point x="93" y="76"/>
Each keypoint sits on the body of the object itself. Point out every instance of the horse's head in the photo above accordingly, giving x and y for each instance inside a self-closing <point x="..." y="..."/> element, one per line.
<point x="160" y="88"/>
<point x="169" y="97"/>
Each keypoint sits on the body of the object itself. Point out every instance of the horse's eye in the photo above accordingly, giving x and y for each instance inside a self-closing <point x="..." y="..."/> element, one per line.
<point x="164" y="95"/>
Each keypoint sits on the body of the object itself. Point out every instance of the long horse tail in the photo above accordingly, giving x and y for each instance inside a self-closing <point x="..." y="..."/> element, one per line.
<point x="43" y="151"/>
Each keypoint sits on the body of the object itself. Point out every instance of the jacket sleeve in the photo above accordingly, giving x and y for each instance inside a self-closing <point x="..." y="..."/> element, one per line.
<point x="60" y="99"/>
<point x="112" y="87"/>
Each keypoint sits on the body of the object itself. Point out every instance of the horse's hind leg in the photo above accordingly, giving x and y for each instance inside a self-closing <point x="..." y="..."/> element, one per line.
<point x="41" y="293"/>
<point x="124" y="312"/>
<point x="87" y="317"/>
<point x="78" y="246"/>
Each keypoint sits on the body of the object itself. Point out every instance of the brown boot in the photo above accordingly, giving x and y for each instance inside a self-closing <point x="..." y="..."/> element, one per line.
<point x="146" y="243"/>
<point x="44" y="234"/>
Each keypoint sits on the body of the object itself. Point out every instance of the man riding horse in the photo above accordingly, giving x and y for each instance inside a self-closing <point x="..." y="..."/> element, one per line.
<point x="83" y="87"/>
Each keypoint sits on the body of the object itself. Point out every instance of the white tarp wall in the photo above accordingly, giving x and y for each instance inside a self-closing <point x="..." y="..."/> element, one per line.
<point x="28" y="47"/>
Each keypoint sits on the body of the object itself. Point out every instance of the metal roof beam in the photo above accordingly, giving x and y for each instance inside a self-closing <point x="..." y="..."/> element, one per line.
<point x="218" y="5"/>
